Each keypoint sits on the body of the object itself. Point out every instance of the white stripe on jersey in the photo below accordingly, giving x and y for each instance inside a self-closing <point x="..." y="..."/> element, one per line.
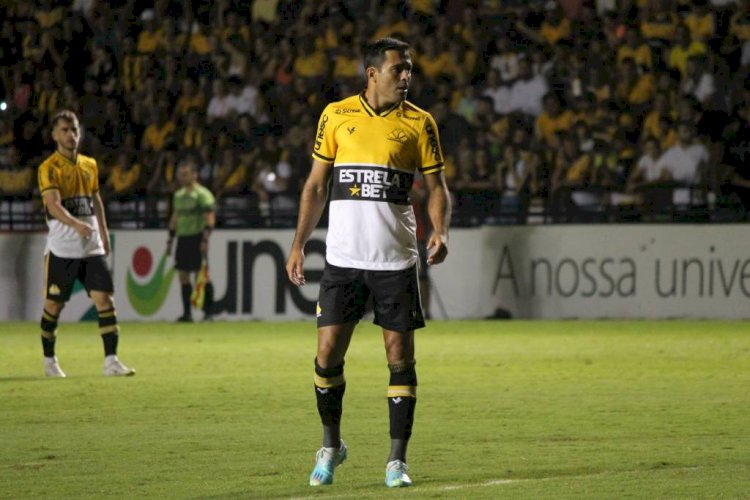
<point x="371" y="235"/>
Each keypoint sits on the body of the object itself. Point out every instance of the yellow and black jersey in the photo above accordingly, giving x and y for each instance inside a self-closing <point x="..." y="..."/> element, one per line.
<point x="77" y="183"/>
<point x="374" y="156"/>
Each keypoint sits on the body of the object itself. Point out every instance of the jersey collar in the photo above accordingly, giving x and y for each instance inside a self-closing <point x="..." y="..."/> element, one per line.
<point x="369" y="109"/>
<point x="66" y="159"/>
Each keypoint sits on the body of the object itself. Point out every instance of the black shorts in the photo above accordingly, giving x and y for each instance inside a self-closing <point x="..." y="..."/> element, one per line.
<point x="396" y="301"/>
<point x="61" y="273"/>
<point x="188" y="256"/>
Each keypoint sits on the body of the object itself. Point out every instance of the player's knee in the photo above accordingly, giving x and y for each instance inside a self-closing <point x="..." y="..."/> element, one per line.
<point x="103" y="301"/>
<point x="53" y="307"/>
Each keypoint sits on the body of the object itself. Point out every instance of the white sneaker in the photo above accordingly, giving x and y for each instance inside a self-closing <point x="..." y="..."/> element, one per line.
<point x="395" y="474"/>
<point x="113" y="367"/>
<point x="52" y="368"/>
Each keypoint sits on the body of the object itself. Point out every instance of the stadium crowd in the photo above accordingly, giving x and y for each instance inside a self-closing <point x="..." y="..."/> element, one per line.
<point x="576" y="108"/>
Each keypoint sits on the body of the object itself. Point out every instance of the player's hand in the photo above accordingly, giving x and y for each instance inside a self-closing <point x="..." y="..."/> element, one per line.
<point x="294" y="267"/>
<point x="437" y="249"/>
<point x="168" y="251"/>
<point x="84" y="230"/>
<point x="204" y="247"/>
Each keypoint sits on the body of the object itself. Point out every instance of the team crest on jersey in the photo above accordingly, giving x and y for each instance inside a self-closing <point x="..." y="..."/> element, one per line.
<point x="398" y="135"/>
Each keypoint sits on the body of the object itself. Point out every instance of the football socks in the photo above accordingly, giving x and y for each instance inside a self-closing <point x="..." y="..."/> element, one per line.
<point x="330" y="386"/>
<point x="109" y="330"/>
<point x="402" y="400"/>
<point x="49" y="333"/>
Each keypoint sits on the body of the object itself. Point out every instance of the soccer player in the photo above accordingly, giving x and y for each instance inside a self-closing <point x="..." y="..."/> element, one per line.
<point x="193" y="219"/>
<point x="77" y="242"/>
<point x="369" y="147"/>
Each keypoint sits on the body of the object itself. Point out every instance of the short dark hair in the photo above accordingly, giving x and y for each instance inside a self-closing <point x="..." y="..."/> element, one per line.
<point x="189" y="162"/>
<point x="66" y="115"/>
<point x="374" y="53"/>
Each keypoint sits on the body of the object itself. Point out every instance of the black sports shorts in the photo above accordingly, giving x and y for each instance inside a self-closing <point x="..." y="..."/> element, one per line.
<point x="188" y="256"/>
<point x="61" y="273"/>
<point x="396" y="301"/>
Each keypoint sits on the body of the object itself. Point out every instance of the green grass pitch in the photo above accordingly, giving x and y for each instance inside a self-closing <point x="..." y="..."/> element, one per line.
<point x="506" y="410"/>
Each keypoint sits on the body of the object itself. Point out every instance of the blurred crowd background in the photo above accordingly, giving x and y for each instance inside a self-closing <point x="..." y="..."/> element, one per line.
<point x="569" y="111"/>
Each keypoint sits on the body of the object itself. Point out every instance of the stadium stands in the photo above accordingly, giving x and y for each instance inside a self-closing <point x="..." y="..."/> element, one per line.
<point x="548" y="112"/>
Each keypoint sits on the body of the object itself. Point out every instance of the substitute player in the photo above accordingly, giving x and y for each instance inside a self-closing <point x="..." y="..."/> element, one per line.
<point x="77" y="243"/>
<point x="370" y="146"/>
<point x="193" y="219"/>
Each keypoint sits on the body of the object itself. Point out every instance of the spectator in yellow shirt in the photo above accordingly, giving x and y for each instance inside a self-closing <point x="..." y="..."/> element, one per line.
<point x="633" y="89"/>
<point x="193" y="134"/>
<point x="682" y="49"/>
<point x="433" y="61"/>
<point x="658" y="22"/>
<point x="701" y="21"/>
<point x="552" y="121"/>
<point x="231" y="176"/>
<point x="158" y="133"/>
<point x="191" y="98"/>
<point x="636" y="49"/>
<point x="124" y="177"/>
<point x="312" y="63"/>
<point x="15" y="178"/>
<point x="554" y="29"/>
<point x="150" y="37"/>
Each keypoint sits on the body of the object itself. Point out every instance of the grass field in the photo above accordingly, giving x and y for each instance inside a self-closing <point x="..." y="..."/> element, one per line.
<point x="506" y="410"/>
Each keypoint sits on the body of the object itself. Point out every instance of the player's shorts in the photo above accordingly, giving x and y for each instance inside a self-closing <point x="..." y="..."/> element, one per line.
<point x="61" y="273"/>
<point x="396" y="301"/>
<point x="188" y="254"/>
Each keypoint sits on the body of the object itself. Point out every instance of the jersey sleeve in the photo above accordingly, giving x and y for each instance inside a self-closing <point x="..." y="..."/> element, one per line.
<point x="47" y="178"/>
<point x="430" y="152"/>
<point x="95" y="177"/>
<point x="324" y="148"/>
<point x="207" y="201"/>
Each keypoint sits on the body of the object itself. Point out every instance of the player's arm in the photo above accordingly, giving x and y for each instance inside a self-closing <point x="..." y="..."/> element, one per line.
<point x="53" y="202"/>
<point x="210" y="223"/>
<point x="101" y="217"/>
<point x="311" y="206"/>
<point x="439" y="210"/>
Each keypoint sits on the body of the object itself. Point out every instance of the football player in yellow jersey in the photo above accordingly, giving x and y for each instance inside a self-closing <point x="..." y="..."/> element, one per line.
<point x="369" y="146"/>
<point x="77" y="243"/>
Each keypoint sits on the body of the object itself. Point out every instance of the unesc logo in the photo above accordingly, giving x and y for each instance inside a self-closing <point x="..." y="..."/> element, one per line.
<point x="147" y="290"/>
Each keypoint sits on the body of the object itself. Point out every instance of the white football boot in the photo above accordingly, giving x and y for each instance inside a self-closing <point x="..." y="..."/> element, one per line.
<point x="113" y="367"/>
<point x="52" y="368"/>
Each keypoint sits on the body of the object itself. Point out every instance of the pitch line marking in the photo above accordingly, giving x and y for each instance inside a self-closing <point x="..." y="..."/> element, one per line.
<point x="495" y="482"/>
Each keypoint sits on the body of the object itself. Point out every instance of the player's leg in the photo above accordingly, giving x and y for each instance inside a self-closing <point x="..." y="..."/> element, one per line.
<point x="186" y="287"/>
<point x="50" y="316"/>
<point x="330" y="386"/>
<point x="97" y="279"/>
<point x="340" y="306"/>
<point x="188" y="260"/>
<point x="59" y="277"/>
<point x="208" y="301"/>
<point x="398" y="311"/>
